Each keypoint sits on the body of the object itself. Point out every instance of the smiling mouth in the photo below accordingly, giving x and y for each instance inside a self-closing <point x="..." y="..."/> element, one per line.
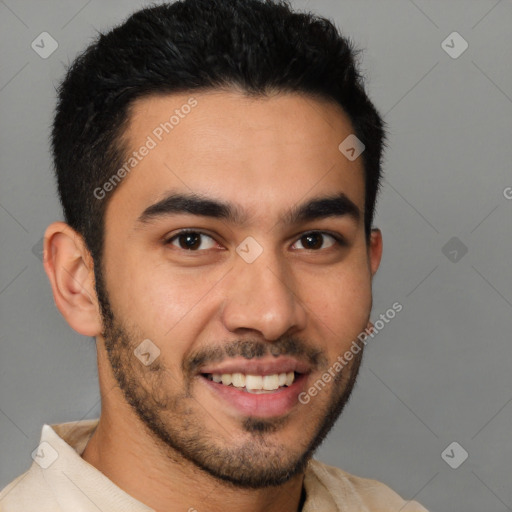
<point x="257" y="384"/>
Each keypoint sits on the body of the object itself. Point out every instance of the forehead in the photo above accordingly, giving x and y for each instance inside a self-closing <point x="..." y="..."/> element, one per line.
<point x="259" y="152"/>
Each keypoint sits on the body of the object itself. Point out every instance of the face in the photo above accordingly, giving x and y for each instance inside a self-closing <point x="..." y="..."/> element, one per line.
<point x="235" y="271"/>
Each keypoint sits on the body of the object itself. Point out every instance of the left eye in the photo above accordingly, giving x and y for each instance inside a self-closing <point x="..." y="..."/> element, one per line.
<point x="315" y="239"/>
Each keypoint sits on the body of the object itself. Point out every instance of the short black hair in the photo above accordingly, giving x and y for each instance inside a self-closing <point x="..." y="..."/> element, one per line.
<point x="257" y="46"/>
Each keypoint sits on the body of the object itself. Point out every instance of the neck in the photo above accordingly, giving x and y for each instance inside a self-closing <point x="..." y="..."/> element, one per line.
<point x="131" y="456"/>
<point x="164" y="481"/>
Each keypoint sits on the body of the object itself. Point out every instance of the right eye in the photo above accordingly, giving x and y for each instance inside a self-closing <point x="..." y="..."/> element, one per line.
<point x="190" y="240"/>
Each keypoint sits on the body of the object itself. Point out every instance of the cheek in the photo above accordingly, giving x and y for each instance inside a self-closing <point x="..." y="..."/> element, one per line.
<point x="342" y="309"/>
<point x="168" y="304"/>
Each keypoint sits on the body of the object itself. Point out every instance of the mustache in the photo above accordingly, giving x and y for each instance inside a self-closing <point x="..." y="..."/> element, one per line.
<point x="254" y="349"/>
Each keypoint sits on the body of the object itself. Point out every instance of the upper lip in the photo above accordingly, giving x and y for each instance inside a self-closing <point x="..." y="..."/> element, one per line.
<point x="261" y="366"/>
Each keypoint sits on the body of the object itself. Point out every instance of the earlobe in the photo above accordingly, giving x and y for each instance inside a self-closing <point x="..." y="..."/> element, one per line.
<point x="375" y="250"/>
<point x="69" y="267"/>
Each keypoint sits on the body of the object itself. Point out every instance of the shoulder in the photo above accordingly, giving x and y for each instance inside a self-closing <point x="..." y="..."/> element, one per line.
<point x="372" y="494"/>
<point x="28" y="493"/>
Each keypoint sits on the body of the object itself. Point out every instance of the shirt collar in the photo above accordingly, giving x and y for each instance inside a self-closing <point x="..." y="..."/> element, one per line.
<point x="71" y="477"/>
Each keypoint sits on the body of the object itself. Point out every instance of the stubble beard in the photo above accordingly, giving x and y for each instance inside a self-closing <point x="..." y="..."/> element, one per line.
<point x="174" y="423"/>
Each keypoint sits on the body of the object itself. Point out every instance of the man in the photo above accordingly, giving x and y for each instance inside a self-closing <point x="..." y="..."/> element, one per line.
<point x="218" y="164"/>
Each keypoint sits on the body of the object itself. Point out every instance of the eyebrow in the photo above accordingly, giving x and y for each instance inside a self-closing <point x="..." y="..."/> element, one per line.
<point x="338" y="205"/>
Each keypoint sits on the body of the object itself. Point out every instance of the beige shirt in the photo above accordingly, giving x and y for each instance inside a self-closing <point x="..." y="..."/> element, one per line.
<point x="59" y="480"/>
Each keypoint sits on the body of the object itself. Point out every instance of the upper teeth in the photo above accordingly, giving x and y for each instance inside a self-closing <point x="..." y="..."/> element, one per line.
<point x="266" y="382"/>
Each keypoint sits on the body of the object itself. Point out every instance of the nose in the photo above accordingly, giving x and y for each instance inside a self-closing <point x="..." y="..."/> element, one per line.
<point x="261" y="296"/>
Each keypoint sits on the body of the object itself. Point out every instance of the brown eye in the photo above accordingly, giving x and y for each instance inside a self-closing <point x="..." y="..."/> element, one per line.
<point x="192" y="241"/>
<point x="316" y="240"/>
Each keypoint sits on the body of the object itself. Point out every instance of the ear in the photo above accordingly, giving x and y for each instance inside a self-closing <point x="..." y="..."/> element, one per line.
<point x="375" y="250"/>
<point x="70" y="269"/>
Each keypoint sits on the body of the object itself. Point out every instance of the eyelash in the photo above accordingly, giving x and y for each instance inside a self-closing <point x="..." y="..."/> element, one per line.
<point x="339" y="240"/>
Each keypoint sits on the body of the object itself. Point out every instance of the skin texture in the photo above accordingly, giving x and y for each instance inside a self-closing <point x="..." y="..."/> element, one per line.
<point x="163" y="436"/>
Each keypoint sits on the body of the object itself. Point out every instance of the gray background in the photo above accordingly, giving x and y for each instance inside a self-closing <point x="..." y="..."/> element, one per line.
<point x="440" y="370"/>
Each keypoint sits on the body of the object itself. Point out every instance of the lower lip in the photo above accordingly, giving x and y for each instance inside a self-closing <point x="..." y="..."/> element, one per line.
<point x="263" y="405"/>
